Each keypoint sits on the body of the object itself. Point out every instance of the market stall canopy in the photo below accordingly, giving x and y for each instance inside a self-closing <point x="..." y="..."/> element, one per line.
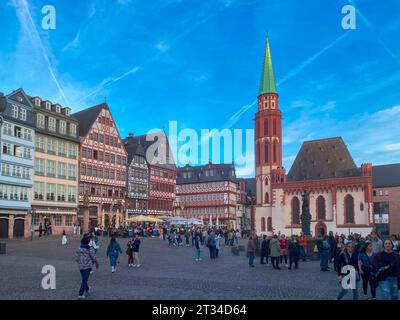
<point x="195" y="222"/>
<point x="178" y="221"/>
<point x="143" y="218"/>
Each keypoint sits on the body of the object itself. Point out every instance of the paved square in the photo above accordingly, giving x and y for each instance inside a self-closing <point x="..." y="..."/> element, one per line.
<point x="166" y="273"/>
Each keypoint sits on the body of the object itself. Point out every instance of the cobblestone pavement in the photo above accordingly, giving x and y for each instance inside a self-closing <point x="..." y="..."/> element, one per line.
<point x="166" y="273"/>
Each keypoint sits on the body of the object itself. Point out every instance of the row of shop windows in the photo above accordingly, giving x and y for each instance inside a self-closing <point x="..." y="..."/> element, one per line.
<point x="56" y="147"/>
<point x="57" y="220"/>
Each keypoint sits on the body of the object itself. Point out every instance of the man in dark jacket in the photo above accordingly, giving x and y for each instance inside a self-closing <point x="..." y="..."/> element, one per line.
<point x="264" y="250"/>
<point x="332" y="243"/>
<point x="349" y="257"/>
<point x="294" y="253"/>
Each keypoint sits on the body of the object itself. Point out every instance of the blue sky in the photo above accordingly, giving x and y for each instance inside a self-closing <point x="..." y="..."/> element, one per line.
<point x="199" y="62"/>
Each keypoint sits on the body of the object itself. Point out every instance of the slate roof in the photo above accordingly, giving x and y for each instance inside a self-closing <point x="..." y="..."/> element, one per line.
<point x="323" y="159"/>
<point x="87" y="117"/>
<point x="222" y="172"/>
<point x="386" y="175"/>
<point x="133" y="142"/>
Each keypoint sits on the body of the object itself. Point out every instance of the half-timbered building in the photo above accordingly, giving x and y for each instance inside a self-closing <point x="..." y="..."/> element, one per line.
<point x="208" y="192"/>
<point x="103" y="160"/>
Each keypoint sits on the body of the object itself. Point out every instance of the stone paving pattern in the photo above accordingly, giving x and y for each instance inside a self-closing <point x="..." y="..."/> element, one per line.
<point x="166" y="273"/>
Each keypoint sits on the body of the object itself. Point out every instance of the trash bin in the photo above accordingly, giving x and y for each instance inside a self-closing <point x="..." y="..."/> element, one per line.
<point x="2" y="248"/>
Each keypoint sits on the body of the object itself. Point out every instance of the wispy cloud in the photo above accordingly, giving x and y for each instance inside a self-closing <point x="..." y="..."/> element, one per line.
<point x="311" y="59"/>
<point x="28" y="27"/>
<point x="372" y="30"/>
<point x="72" y="44"/>
<point x="235" y="117"/>
<point x="109" y="81"/>
<point x="162" y="46"/>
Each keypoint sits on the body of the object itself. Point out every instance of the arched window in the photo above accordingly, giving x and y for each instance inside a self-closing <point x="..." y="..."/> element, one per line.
<point x="269" y="224"/>
<point x="295" y="211"/>
<point x="266" y="181"/>
<point x="257" y="128"/>
<point x="361" y="206"/>
<point x="262" y="224"/>
<point x="321" y="208"/>
<point x="349" y="209"/>
<point x="274" y="152"/>
<point x="266" y="127"/>
<point x="266" y="151"/>
<point x="266" y="197"/>
<point x="274" y="127"/>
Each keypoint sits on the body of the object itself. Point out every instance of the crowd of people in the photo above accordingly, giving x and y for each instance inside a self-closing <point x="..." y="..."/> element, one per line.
<point x="376" y="262"/>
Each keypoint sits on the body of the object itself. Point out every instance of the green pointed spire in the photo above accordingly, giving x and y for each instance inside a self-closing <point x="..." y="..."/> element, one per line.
<point x="267" y="83"/>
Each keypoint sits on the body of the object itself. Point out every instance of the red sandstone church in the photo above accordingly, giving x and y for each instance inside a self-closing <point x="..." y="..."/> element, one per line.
<point x="339" y="193"/>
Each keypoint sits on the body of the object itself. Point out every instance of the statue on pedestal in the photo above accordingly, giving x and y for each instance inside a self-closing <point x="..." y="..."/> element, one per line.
<point x="305" y="215"/>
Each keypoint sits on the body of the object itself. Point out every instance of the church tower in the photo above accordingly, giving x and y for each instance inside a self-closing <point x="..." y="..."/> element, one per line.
<point x="267" y="141"/>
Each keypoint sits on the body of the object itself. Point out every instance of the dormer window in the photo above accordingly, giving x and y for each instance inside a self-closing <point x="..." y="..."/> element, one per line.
<point x="37" y="102"/>
<point x="58" y="108"/>
<point x="48" y="105"/>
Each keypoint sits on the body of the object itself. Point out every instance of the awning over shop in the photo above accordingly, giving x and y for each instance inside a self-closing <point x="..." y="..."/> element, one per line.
<point x="55" y="212"/>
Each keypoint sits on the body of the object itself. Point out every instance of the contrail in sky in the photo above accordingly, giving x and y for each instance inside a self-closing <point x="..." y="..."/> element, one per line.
<point x="236" y="117"/>
<point x="23" y="13"/>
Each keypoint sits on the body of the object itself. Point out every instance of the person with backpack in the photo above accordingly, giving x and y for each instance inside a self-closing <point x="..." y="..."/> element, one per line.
<point x="365" y="258"/>
<point x="348" y="258"/>
<point x="323" y="250"/>
<point x="386" y="271"/>
<point x="86" y="258"/>
<point x="113" y="251"/>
